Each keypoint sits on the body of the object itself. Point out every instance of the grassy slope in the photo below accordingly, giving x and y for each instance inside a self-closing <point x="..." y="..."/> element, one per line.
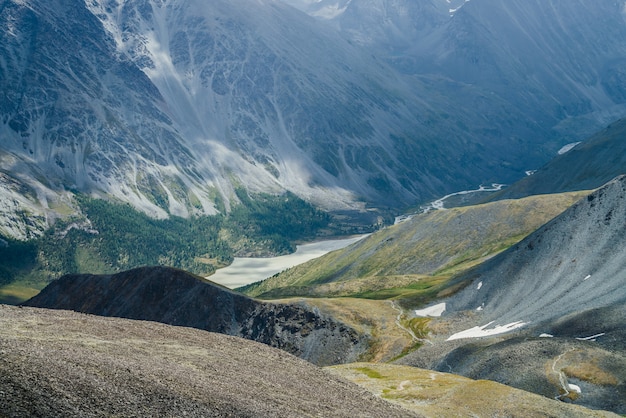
<point x="413" y="260"/>
<point x="437" y="394"/>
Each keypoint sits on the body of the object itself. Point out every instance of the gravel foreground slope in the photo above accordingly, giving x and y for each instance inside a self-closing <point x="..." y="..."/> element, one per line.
<point x="61" y="363"/>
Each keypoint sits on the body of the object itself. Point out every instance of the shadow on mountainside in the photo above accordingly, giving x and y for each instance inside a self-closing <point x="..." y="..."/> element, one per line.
<point x="176" y="297"/>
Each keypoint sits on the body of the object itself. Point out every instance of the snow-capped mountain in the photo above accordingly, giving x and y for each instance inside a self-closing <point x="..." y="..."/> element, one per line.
<point x="324" y="9"/>
<point x="387" y="24"/>
<point x="553" y="64"/>
<point x="169" y="105"/>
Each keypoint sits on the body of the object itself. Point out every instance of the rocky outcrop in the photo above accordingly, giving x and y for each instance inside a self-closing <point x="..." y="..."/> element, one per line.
<point x="179" y="298"/>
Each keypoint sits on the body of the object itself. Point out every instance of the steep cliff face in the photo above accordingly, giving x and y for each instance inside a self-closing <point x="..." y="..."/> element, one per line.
<point x="169" y="105"/>
<point x="75" y="113"/>
<point x="178" y="298"/>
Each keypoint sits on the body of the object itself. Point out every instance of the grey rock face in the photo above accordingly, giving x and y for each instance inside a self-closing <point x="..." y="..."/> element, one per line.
<point x="178" y="298"/>
<point x="553" y="67"/>
<point x="574" y="262"/>
<point x="565" y="284"/>
<point x="166" y="104"/>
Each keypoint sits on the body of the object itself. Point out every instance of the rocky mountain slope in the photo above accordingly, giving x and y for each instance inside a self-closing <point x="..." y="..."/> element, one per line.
<point x="60" y="363"/>
<point x="546" y="315"/>
<point x="178" y="298"/>
<point x="437" y="243"/>
<point x="574" y="262"/>
<point x="170" y="105"/>
<point x="550" y="64"/>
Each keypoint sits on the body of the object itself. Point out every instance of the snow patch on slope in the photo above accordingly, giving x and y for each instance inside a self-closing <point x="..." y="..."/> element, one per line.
<point x="567" y="148"/>
<point x="323" y="9"/>
<point x="458" y="6"/>
<point x="485" y="331"/>
<point x="433" y="311"/>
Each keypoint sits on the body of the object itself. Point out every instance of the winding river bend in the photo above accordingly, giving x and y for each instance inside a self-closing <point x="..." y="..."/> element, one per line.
<point x="246" y="270"/>
<point x="439" y="204"/>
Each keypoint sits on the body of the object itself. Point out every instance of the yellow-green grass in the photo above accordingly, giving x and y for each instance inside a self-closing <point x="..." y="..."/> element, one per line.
<point x="377" y="318"/>
<point x="435" y="394"/>
<point x="413" y="260"/>
<point x="590" y="364"/>
<point x="15" y="293"/>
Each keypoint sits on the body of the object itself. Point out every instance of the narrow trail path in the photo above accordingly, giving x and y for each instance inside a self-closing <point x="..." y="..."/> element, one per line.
<point x="408" y="330"/>
<point x="562" y="377"/>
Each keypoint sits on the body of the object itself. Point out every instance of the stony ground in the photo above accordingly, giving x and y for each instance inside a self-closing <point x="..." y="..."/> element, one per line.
<point x="61" y="363"/>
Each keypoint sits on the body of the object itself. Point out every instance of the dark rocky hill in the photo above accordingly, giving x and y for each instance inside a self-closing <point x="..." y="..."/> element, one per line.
<point x="175" y="297"/>
<point x="66" y="364"/>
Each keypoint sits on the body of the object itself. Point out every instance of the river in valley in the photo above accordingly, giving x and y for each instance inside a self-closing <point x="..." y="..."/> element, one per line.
<point x="245" y="270"/>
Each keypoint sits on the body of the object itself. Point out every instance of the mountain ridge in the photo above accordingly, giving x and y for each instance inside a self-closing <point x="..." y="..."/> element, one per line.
<point x="545" y="315"/>
<point x="593" y="223"/>
<point x="178" y="298"/>
<point x="566" y="72"/>
<point x="437" y="243"/>
<point x="171" y="106"/>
